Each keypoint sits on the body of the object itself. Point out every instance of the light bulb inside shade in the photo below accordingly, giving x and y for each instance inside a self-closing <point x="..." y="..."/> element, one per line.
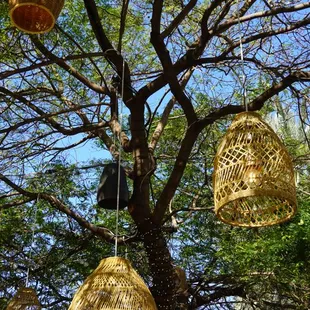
<point x="253" y="175"/>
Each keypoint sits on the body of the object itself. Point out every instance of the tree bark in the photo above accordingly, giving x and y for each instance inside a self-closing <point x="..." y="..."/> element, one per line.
<point x="161" y="268"/>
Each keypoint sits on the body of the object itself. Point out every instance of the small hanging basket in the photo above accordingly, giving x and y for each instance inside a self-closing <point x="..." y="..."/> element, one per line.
<point x="35" y="16"/>
<point x="114" y="284"/>
<point x="253" y="177"/>
<point x="25" y="299"/>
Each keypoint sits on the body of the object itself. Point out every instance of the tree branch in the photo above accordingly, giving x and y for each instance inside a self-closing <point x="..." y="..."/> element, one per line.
<point x="102" y="232"/>
<point x="165" y="115"/>
<point x="112" y="55"/>
<point x="178" y="20"/>
<point x="267" y="34"/>
<point x="230" y="22"/>
<point x="97" y="88"/>
<point x="175" y="177"/>
<point x="169" y="72"/>
<point x="8" y="73"/>
<point x="122" y="24"/>
<point x="49" y="115"/>
<point x="50" y="120"/>
<point x="15" y="203"/>
<point x="258" y="102"/>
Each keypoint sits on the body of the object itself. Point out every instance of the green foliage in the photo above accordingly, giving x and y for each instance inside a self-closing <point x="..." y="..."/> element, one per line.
<point x="271" y="264"/>
<point x="56" y="129"/>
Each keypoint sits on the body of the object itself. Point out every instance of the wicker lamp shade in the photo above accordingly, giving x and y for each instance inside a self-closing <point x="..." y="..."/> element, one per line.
<point x="25" y="299"/>
<point x="114" y="285"/>
<point x="253" y="177"/>
<point x="35" y="16"/>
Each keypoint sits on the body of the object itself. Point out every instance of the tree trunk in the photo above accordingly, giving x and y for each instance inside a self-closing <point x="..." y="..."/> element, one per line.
<point x="161" y="268"/>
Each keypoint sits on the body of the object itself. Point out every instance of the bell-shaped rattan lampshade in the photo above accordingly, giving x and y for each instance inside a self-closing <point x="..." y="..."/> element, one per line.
<point x="113" y="285"/>
<point x="253" y="177"/>
<point x="35" y="16"/>
<point x="25" y="299"/>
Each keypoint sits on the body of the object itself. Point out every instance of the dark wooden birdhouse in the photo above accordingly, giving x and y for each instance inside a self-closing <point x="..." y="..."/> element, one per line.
<point x="107" y="191"/>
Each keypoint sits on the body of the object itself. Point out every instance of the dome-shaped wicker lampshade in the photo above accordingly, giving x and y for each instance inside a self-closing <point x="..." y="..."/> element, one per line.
<point x="253" y="177"/>
<point x="25" y="299"/>
<point x="113" y="285"/>
<point x="35" y="16"/>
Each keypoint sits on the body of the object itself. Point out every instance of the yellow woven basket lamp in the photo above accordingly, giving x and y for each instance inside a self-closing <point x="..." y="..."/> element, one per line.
<point x="25" y="299"/>
<point x="253" y="177"/>
<point x="113" y="285"/>
<point x="35" y="16"/>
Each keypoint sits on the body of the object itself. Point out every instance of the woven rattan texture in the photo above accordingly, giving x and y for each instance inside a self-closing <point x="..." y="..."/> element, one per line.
<point x="35" y="16"/>
<point x="253" y="177"/>
<point x="114" y="284"/>
<point x="25" y="299"/>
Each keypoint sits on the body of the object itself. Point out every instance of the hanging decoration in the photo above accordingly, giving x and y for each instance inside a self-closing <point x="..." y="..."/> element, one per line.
<point x="253" y="178"/>
<point x="107" y="194"/>
<point x="35" y="16"/>
<point x="114" y="284"/>
<point x="25" y="299"/>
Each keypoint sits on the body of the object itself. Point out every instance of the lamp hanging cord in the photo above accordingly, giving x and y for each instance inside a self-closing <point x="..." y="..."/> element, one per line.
<point x="243" y="85"/>
<point x="119" y="156"/>
<point x="32" y="239"/>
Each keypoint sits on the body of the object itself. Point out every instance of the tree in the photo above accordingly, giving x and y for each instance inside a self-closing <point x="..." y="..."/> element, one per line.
<point x="155" y="84"/>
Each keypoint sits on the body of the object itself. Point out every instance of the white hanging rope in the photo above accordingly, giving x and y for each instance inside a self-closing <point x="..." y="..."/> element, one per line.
<point x="119" y="156"/>
<point x="126" y="249"/>
<point x="32" y="240"/>
<point x="244" y="92"/>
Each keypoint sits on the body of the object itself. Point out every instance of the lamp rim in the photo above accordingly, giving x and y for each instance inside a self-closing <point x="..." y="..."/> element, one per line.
<point x="252" y="113"/>
<point x="115" y="258"/>
<point x="16" y="6"/>
<point x="257" y="193"/>
<point x="249" y="225"/>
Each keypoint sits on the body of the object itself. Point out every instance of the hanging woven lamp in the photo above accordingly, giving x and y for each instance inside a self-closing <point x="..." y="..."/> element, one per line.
<point x="113" y="285"/>
<point x="35" y="16"/>
<point x="25" y="299"/>
<point x="108" y="188"/>
<point x="253" y="177"/>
